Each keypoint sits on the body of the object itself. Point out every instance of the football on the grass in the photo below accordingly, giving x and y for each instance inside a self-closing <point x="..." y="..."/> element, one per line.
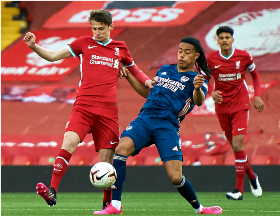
<point x="103" y="175"/>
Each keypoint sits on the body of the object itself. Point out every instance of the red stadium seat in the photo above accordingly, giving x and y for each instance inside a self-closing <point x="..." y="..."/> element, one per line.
<point x="25" y="160"/>
<point x="152" y="161"/>
<point x="6" y="160"/>
<point x="134" y="161"/>
<point x="211" y="159"/>
<point x="263" y="160"/>
<point x="229" y="160"/>
<point x="77" y="160"/>
<point x="46" y="160"/>
<point x="278" y="161"/>
<point x="188" y="160"/>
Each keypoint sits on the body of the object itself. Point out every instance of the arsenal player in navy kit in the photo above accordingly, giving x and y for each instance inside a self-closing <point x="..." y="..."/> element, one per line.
<point x="232" y="103"/>
<point x="95" y="110"/>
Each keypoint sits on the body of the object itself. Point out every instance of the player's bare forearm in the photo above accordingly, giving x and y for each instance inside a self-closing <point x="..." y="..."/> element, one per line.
<point x="49" y="55"/>
<point x="198" y="95"/>
<point x="137" y="86"/>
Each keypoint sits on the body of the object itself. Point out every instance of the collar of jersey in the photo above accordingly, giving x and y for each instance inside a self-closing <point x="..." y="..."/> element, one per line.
<point x="104" y="44"/>
<point x="226" y="57"/>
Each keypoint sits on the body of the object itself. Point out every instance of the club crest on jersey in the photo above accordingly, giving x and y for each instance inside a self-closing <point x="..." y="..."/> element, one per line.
<point x="237" y="65"/>
<point x="128" y="128"/>
<point x="184" y="79"/>
<point x="117" y="53"/>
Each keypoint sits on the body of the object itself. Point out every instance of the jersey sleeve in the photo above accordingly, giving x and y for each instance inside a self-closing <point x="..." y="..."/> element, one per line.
<point x="127" y="58"/>
<point x="204" y="87"/>
<point x="250" y="63"/>
<point x="75" y="47"/>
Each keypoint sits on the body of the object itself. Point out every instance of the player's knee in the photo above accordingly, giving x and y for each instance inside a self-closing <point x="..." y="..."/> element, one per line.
<point x="175" y="178"/>
<point x="125" y="148"/>
<point x="70" y="143"/>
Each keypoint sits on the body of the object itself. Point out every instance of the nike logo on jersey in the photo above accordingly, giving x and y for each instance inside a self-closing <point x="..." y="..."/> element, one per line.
<point x="217" y="66"/>
<point x="240" y="129"/>
<point x="90" y="47"/>
<point x="175" y="148"/>
<point x="99" y="178"/>
<point x="112" y="143"/>
<point x="163" y="73"/>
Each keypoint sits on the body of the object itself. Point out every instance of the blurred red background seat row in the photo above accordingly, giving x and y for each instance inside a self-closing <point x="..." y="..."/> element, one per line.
<point x="138" y="160"/>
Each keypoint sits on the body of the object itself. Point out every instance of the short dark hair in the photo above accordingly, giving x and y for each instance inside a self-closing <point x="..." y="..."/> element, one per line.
<point x="201" y="62"/>
<point x="224" y="29"/>
<point x="102" y="16"/>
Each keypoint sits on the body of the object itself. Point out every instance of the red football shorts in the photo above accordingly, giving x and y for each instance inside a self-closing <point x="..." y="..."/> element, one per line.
<point x="234" y="123"/>
<point x="101" y="122"/>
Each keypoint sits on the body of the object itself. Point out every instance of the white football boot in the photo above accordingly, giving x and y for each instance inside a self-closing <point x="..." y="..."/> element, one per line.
<point x="256" y="187"/>
<point x="235" y="195"/>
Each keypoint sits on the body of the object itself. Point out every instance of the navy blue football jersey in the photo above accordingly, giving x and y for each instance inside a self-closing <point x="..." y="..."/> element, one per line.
<point x="172" y="96"/>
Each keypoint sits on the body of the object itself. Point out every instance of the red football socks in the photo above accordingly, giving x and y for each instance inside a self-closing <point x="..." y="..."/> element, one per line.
<point x="60" y="167"/>
<point x="240" y="169"/>
<point x="107" y="195"/>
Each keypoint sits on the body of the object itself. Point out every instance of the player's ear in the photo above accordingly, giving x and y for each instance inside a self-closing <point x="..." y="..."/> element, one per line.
<point x="196" y="56"/>
<point x="111" y="26"/>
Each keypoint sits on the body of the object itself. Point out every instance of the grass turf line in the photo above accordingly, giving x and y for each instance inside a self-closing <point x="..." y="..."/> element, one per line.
<point x="136" y="204"/>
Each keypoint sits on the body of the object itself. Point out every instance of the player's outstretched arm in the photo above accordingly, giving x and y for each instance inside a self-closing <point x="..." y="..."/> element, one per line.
<point x="49" y="55"/>
<point x="198" y="95"/>
<point x="136" y="85"/>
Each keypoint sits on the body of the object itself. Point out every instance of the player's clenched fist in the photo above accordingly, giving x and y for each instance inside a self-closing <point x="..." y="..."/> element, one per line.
<point x="198" y="81"/>
<point x="29" y="39"/>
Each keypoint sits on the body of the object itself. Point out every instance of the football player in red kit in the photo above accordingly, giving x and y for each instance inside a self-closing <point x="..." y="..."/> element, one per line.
<point x="232" y="103"/>
<point x="95" y="109"/>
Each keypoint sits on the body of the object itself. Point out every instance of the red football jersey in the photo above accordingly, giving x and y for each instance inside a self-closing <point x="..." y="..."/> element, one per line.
<point x="99" y="66"/>
<point x="229" y="77"/>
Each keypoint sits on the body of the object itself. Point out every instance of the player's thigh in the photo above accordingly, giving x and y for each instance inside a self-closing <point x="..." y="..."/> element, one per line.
<point x="139" y="132"/>
<point x="105" y="131"/>
<point x="240" y="122"/>
<point x="167" y="140"/>
<point x="225" y="123"/>
<point x="79" y="123"/>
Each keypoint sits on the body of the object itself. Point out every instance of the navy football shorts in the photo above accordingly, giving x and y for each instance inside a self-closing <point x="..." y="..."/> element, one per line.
<point x="145" y="131"/>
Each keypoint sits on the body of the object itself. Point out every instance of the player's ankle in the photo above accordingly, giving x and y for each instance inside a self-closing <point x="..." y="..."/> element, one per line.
<point x="117" y="204"/>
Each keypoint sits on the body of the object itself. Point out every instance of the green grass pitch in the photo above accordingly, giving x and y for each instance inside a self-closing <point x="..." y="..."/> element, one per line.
<point x="136" y="204"/>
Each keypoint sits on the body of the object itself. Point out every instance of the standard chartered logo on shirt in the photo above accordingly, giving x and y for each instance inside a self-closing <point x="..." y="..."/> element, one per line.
<point x="103" y="60"/>
<point x="261" y="28"/>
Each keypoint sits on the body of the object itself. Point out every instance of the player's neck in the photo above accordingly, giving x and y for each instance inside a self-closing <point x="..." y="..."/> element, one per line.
<point x="226" y="52"/>
<point x="189" y="69"/>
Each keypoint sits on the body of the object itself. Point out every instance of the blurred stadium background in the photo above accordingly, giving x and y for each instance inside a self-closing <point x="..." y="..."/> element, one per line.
<point x="37" y="96"/>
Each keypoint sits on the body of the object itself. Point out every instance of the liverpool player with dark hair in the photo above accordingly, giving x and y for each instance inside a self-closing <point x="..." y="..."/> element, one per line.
<point x="232" y="103"/>
<point x="95" y="109"/>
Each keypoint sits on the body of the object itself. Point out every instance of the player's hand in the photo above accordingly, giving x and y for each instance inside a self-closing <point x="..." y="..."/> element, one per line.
<point x="198" y="81"/>
<point x="258" y="103"/>
<point x="29" y="39"/>
<point x="217" y="96"/>
<point x="123" y="72"/>
<point x="150" y="83"/>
